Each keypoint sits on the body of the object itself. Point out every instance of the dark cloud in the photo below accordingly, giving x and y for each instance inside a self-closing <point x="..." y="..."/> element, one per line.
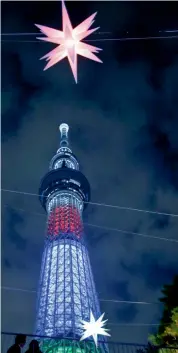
<point x="96" y="236"/>
<point x="123" y="129"/>
<point x="121" y="290"/>
<point x="127" y="314"/>
<point x="13" y="221"/>
<point x="161" y="153"/>
<point x="16" y="94"/>
<point x="7" y="263"/>
<point x="154" y="273"/>
<point x="161" y="223"/>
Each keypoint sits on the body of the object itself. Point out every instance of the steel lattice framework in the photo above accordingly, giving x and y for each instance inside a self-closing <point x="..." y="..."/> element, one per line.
<point x="67" y="291"/>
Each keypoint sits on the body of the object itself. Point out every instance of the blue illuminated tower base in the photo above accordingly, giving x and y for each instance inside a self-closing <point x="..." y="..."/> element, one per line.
<point x="72" y="346"/>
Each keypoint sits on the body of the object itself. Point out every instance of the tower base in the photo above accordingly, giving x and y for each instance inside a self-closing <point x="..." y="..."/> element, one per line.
<point x="71" y="346"/>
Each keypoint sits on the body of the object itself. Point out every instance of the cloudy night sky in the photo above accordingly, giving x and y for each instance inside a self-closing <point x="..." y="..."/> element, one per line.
<point x="123" y="118"/>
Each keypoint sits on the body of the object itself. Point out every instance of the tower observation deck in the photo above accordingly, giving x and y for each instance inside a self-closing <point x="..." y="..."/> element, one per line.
<point x="67" y="291"/>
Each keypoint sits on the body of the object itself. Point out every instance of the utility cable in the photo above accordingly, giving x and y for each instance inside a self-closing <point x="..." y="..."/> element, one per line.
<point x="109" y="323"/>
<point x="103" y="227"/>
<point x="135" y="324"/>
<point x="100" y="204"/>
<point x="123" y="39"/>
<point x="95" y="33"/>
<point x="38" y="33"/>
<point x="132" y="233"/>
<point x="98" y="40"/>
<point x="101" y="300"/>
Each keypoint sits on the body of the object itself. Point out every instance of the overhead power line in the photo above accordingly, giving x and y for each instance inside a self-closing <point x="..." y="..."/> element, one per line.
<point x="131" y="233"/>
<point x="100" y="204"/>
<point x="128" y="302"/>
<point x="101" y="300"/>
<point x="38" y="33"/>
<point x="121" y="39"/>
<point x="95" y="33"/>
<point x="134" y="324"/>
<point x="109" y="323"/>
<point x="103" y="227"/>
<point x="97" y="40"/>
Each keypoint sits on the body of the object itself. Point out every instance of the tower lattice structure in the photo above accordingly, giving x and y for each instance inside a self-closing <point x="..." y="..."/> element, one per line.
<point x="67" y="291"/>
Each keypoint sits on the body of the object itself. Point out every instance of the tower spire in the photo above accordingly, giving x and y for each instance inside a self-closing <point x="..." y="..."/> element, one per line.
<point x="64" y="158"/>
<point x="64" y="128"/>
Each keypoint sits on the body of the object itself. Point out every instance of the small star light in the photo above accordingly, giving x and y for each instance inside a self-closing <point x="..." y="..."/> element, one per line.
<point x="69" y="42"/>
<point x="94" y="328"/>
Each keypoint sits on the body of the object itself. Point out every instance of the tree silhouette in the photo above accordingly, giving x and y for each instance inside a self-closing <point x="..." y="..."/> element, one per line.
<point x="170" y="300"/>
<point x="167" y="334"/>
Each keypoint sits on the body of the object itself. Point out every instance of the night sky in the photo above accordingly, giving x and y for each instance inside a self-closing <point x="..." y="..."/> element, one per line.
<point x="123" y="118"/>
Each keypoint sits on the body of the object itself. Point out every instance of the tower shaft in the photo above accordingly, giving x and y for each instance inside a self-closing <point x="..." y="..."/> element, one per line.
<point x="67" y="293"/>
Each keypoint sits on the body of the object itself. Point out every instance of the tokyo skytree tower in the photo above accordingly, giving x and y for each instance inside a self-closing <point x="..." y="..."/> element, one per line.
<point x="67" y="291"/>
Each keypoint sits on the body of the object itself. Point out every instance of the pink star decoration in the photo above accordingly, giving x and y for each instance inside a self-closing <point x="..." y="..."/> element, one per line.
<point x="69" y="42"/>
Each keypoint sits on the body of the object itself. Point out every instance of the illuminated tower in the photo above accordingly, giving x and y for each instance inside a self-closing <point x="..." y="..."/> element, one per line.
<point x="67" y="291"/>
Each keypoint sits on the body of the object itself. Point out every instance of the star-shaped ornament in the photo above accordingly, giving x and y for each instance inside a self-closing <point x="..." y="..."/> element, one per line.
<point x="69" y="42"/>
<point x="94" y="328"/>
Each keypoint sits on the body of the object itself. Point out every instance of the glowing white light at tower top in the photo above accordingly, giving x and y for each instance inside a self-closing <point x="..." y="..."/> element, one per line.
<point x="64" y="128"/>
